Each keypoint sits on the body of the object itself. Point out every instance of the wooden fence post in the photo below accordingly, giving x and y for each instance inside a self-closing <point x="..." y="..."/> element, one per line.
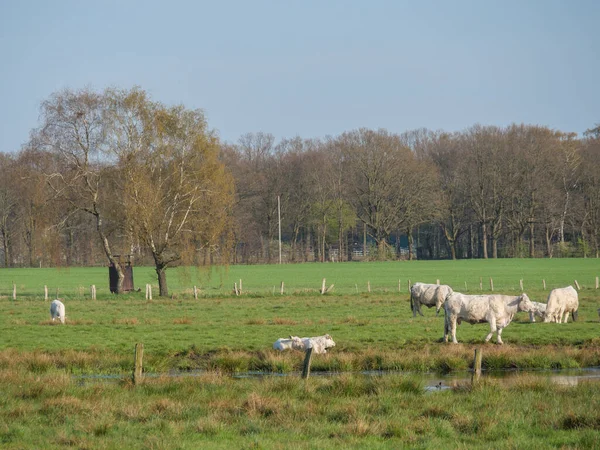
<point x="323" y="287"/>
<point x="282" y="284"/>
<point x="139" y="356"/>
<point x="356" y="286"/>
<point x="368" y="286"/>
<point x="236" y="291"/>
<point x="577" y="284"/>
<point x="477" y="365"/>
<point x="521" y="284"/>
<point x="195" y="293"/>
<point x="240" y="287"/>
<point x="14" y="291"/>
<point x="597" y="283"/>
<point x="544" y="283"/>
<point x="93" y="291"/>
<point x="399" y="285"/>
<point x="306" y="365"/>
<point x="46" y="292"/>
<point x="146" y="291"/>
<point x="149" y="292"/>
<point x="408" y="285"/>
<point x="491" y="284"/>
<point x="437" y="282"/>
<point x="480" y="284"/>
<point x="466" y="289"/>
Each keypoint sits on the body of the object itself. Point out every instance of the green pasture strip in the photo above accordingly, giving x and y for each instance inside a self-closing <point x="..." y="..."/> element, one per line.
<point x="347" y="278"/>
<point x="350" y="411"/>
<point x="181" y="333"/>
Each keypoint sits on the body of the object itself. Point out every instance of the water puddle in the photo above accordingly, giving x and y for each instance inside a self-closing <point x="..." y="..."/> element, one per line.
<point x="432" y="382"/>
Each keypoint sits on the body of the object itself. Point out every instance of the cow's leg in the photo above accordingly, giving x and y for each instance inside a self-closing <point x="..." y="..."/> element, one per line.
<point x="493" y="329"/>
<point x="566" y="317"/>
<point x="500" y="335"/>
<point x="446" y="328"/>
<point x="419" y="306"/>
<point x="453" y="328"/>
<point x="531" y="316"/>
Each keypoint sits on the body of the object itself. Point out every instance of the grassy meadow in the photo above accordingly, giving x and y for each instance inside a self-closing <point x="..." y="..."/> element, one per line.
<point x="48" y="402"/>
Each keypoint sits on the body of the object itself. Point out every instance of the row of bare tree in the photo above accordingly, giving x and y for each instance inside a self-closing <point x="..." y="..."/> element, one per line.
<point x="113" y="172"/>
<point x="487" y="191"/>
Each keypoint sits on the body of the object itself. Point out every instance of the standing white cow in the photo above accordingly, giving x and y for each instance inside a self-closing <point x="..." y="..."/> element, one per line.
<point x="561" y="302"/>
<point x="57" y="311"/>
<point x="429" y="295"/>
<point x="497" y="310"/>
<point x="539" y="310"/>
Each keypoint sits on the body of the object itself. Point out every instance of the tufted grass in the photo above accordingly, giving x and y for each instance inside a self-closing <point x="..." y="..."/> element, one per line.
<point x="349" y="411"/>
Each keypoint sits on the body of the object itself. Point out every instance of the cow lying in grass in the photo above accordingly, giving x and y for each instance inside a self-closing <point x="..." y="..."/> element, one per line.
<point x="429" y="295"/>
<point x="561" y="302"/>
<point x="57" y="311"/>
<point x="319" y="344"/>
<point x="293" y="342"/>
<point x="497" y="310"/>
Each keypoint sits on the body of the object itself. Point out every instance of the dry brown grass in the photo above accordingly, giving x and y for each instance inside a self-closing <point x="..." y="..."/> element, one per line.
<point x="283" y="321"/>
<point x="256" y="322"/>
<point x="125" y="321"/>
<point x="182" y="321"/>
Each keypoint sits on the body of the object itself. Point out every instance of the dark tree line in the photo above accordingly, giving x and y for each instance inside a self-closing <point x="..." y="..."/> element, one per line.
<point x="113" y="172"/>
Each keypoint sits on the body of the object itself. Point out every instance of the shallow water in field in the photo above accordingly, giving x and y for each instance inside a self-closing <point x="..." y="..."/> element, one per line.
<point x="432" y="382"/>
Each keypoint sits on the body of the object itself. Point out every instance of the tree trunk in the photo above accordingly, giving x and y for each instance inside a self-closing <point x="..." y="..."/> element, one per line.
<point x="161" y="271"/>
<point x="6" y="247"/>
<point x="105" y="245"/>
<point x="531" y="240"/>
<point x="484" y="240"/>
<point x="410" y="243"/>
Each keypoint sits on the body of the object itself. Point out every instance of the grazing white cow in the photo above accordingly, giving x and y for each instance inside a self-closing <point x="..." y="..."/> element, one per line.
<point x="561" y="302"/>
<point x="57" y="311"/>
<point x="429" y="295"/>
<point x="319" y="344"/>
<point x="539" y="310"/>
<point x="294" y="342"/>
<point x="497" y="310"/>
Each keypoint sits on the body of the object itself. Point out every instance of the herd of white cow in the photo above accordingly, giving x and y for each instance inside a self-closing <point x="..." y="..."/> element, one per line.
<point x="495" y="309"/>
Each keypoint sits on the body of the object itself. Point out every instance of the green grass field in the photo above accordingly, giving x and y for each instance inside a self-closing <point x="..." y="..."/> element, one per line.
<point x="43" y="405"/>
<point x="347" y="277"/>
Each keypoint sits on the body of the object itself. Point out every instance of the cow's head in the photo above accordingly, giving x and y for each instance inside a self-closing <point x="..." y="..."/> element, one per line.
<point x="329" y="341"/>
<point x="525" y="304"/>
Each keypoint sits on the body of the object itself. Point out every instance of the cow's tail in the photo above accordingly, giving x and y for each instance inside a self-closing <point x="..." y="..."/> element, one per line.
<point x="412" y="305"/>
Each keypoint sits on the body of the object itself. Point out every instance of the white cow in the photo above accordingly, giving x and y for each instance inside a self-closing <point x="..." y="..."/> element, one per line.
<point x="429" y="295"/>
<point x="539" y="310"/>
<point x="294" y="342"/>
<point x="561" y="302"/>
<point x="497" y="310"/>
<point x="57" y="311"/>
<point x="319" y="344"/>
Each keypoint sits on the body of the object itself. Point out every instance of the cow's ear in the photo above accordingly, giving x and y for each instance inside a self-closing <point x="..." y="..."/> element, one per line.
<point x="291" y="337"/>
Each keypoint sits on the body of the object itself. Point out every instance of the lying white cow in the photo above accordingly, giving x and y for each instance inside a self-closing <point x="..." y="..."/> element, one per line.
<point x="539" y="310"/>
<point x="429" y="295"/>
<point x="497" y="310"/>
<point x="319" y="344"/>
<point x="561" y="302"/>
<point x="294" y="342"/>
<point x="57" y="311"/>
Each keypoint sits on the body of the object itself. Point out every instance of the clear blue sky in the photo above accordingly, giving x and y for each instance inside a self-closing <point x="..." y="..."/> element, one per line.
<point x="311" y="68"/>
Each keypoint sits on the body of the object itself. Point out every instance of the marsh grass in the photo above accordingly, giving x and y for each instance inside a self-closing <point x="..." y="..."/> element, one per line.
<point x="352" y="411"/>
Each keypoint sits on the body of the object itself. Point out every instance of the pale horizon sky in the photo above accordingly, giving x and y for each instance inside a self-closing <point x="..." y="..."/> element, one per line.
<point x="312" y="68"/>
